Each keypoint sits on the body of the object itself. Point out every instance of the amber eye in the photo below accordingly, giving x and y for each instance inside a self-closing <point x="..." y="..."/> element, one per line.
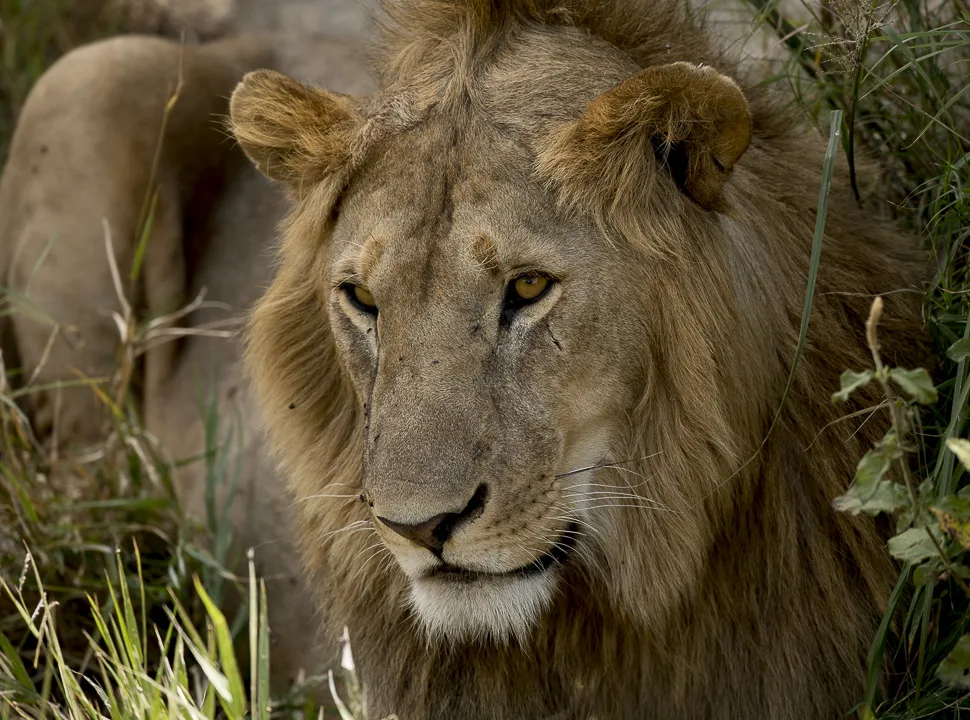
<point x="522" y="291"/>
<point x="530" y="287"/>
<point x="360" y="298"/>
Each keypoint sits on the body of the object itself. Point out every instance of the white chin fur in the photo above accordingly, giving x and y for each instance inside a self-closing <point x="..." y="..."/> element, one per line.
<point x="499" y="608"/>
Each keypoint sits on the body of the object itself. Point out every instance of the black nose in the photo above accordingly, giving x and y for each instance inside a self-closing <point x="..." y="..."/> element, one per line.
<point x="434" y="532"/>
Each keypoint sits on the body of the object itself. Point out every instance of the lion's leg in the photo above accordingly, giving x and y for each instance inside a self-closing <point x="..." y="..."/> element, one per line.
<point x="77" y="175"/>
<point x="63" y="287"/>
<point x="81" y="162"/>
<point x="79" y="170"/>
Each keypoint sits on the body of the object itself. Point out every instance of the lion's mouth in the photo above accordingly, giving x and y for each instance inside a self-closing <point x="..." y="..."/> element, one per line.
<point x="557" y="555"/>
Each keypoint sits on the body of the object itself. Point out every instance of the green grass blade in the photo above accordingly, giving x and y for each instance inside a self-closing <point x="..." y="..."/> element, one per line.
<point x="877" y="651"/>
<point x="16" y="666"/>
<point x="828" y="170"/>
<point x="146" y="232"/>
<point x="262" y="707"/>
<point x="253" y="633"/>
<point x="227" y="655"/>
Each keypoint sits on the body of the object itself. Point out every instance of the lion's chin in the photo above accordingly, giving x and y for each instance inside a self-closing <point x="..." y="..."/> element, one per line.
<point x="499" y="608"/>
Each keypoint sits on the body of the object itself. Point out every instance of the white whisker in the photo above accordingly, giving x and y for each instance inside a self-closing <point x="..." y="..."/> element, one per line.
<point x="602" y="485"/>
<point x="626" y="505"/>
<point x="322" y="495"/>
<point x="613" y="464"/>
<point x="356" y="524"/>
<point x="572" y="519"/>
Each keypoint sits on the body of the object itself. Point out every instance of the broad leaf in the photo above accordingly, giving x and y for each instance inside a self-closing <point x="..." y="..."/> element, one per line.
<point x="955" y="506"/>
<point x="871" y="468"/>
<point x="960" y="350"/>
<point x="912" y="546"/>
<point x="887" y="496"/>
<point x="915" y="383"/>
<point x="850" y="382"/>
<point x="955" y="668"/>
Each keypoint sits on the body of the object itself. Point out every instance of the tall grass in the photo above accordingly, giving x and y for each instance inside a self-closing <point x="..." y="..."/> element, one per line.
<point x="108" y="610"/>
<point x="899" y="74"/>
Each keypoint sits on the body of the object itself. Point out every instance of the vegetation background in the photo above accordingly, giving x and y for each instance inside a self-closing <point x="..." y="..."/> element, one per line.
<point x="110" y="609"/>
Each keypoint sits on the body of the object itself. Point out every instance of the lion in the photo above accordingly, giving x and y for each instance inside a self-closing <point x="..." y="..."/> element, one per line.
<point x="522" y="357"/>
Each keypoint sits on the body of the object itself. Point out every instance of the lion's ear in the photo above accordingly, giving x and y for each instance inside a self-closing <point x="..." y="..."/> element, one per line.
<point x="692" y="118"/>
<point x="294" y="133"/>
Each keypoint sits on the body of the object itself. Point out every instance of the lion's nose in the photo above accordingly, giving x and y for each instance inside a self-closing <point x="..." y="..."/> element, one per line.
<point x="434" y="532"/>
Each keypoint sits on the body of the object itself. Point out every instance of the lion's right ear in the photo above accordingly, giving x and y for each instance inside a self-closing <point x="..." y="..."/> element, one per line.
<point x="691" y="118"/>
<point x="294" y="133"/>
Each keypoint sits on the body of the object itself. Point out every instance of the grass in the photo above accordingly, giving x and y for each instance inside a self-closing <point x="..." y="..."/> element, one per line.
<point x="896" y="74"/>
<point x="141" y="669"/>
<point x="109" y="609"/>
<point x="136" y="629"/>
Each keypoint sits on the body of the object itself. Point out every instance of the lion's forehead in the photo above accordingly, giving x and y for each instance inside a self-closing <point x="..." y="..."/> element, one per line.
<point x="437" y="211"/>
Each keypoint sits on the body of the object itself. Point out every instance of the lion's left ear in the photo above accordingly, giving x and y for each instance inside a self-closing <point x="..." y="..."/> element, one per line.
<point x="691" y="117"/>
<point x="294" y="133"/>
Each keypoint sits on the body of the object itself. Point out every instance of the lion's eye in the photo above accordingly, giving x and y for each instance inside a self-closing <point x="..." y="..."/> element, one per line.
<point x="524" y="290"/>
<point x="530" y="287"/>
<point x="361" y="298"/>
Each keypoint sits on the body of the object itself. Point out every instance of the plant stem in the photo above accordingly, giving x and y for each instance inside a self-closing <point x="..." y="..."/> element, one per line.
<point x="860" y="69"/>
<point x="900" y="426"/>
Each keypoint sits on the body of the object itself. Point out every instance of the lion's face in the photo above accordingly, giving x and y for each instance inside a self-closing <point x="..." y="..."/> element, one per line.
<point x="494" y="330"/>
<point x="488" y="342"/>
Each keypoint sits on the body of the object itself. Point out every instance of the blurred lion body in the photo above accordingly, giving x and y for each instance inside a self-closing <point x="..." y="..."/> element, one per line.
<point x="79" y="168"/>
<point x="741" y="594"/>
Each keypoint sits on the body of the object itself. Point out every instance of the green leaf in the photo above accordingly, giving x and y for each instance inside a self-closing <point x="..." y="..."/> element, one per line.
<point x="887" y="496"/>
<point x="934" y="571"/>
<point x="912" y="546"/>
<point x="926" y="573"/>
<point x="915" y="383"/>
<point x="955" y="668"/>
<point x="960" y="350"/>
<point x="871" y="468"/>
<point x="960" y="448"/>
<point x="850" y="382"/>
<point x="955" y="506"/>
<point x="216" y="679"/>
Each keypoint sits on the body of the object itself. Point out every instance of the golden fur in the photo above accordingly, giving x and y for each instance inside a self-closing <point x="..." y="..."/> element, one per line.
<point x="711" y="577"/>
